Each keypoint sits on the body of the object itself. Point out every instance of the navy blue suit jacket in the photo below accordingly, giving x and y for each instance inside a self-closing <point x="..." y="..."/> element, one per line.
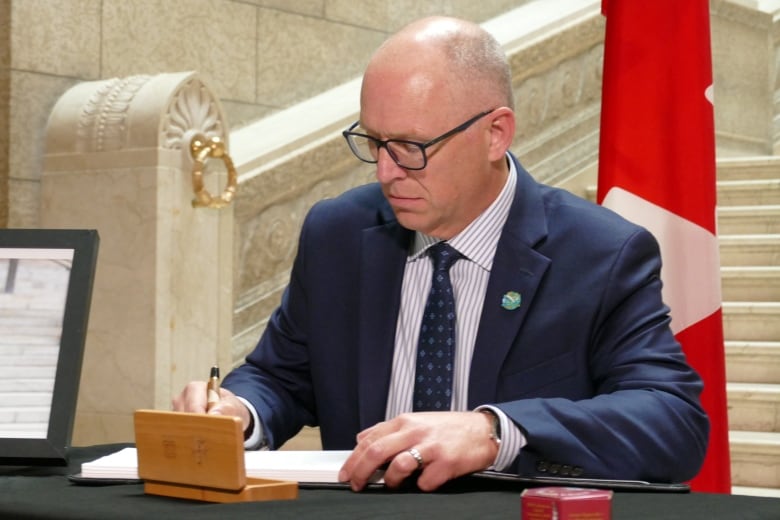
<point x="586" y="366"/>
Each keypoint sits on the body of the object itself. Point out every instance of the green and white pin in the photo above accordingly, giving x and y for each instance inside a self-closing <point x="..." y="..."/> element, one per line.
<point x="511" y="300"/>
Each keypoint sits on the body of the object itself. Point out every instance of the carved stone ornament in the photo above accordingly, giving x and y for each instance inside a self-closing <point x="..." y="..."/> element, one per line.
<point x="135" y="112"/>
<point x="193" y="109"/>
<point x="102" y="124"/>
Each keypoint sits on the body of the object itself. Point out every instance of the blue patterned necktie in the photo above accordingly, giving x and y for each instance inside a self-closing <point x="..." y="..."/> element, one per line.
<point x="436" y="347"/>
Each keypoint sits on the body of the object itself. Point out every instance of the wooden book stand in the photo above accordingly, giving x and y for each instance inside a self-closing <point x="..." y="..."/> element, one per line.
<point x="199" y="457"/>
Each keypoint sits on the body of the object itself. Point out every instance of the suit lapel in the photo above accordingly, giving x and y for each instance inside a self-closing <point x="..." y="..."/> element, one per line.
<point x="517" y="267"/>
<point x="382" y="262"/>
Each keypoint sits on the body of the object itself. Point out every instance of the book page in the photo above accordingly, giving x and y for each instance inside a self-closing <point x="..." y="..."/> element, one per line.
<point x="122" y="464"/>
<point x="301" y="466"/>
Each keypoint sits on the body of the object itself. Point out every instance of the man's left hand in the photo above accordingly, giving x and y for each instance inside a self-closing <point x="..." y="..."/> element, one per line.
<point x="440" y="445"/>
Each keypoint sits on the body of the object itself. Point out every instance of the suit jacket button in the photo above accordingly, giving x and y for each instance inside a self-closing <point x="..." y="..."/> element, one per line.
<point x="555" y="468"/>
<point x="542" y="466"/>
<point x="576" y="471"/>
<point x="565" y="470"/>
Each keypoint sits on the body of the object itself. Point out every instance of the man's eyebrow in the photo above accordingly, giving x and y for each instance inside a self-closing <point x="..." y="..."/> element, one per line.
<point x="403" y="136"/>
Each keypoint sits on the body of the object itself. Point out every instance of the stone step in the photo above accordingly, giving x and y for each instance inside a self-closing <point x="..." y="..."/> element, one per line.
<point x="14" y="348"/>
<point x="751" y="321"/>
<point x="752" y="283"/>
<point x="46" y="359"/>
<point x="736" y="192"/>
<point x="24" y="414"/>
<point x="25" y="322"/>
<point x="26" y="385"/>
<point x="29" y="345"/>
<point x="753" y="361"/>
<point x="754" y="407"/>
<point x="13" y="313"/>
<point x="755" y="459"/>
<point x="759" y="192"/>
<point x="31" y="302"/>
<point x="748" y="220"/>
<point x="38" y="349"/>
<point x="24" y="430"/>
<point x="28" y="372"/>
<point x="30" y="336"/>
<point x="26" y="398"/>
<point x="749" y="250"/>
<point x="746" y="168"/>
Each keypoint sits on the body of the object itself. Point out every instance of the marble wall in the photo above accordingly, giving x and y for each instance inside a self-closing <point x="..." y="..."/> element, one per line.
<point x="259" y="56"/>
<point x="5" y="96"/>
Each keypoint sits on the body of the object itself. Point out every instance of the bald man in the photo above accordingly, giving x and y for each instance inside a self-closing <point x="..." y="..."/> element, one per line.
<point x="560" y="360"/>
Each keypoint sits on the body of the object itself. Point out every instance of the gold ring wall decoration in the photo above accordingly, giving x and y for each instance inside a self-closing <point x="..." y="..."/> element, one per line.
<point x="202" y="149"/>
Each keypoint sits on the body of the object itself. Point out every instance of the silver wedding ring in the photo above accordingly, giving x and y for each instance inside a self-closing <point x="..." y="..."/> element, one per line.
<point x="416" y="454"/>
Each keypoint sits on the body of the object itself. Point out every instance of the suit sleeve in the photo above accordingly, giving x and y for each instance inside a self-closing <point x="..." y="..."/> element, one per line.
<point x="275" y="378"/>
<point x="643" y="419"/>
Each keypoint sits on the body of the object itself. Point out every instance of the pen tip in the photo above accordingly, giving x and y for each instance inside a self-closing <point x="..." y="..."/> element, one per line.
<point x="214" y="371"/>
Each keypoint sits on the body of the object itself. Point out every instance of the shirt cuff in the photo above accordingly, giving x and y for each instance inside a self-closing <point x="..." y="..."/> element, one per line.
<point x="256" y="438"/>
<point x="512" y="440"/>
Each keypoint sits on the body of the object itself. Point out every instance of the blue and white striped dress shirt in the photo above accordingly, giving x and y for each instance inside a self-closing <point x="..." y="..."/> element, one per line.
<point x="469" y="275"/>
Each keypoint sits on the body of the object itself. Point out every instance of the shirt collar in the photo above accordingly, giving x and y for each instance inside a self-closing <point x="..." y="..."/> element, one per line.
<point x="479" y="240"/>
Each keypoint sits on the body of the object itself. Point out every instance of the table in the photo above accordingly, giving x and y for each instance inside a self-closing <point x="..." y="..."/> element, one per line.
<point x="29" y="492"/>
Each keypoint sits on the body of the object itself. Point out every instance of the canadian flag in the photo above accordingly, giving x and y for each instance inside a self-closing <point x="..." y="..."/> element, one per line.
<point x="657" y="168"/>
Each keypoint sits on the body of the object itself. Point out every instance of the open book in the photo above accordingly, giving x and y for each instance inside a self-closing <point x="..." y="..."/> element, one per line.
<point x="321" y="469"/>
<point x="313" y="467"/>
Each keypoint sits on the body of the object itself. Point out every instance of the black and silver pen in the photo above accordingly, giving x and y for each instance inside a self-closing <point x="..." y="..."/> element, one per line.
<point x="212" y="388"/>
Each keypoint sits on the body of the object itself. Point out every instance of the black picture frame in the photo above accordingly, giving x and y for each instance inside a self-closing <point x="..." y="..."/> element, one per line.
<point x="53" y="449"/>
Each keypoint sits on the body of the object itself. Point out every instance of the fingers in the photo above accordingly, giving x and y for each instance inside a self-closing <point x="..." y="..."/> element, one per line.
<point x="376" y="446"/>
<point x="192" y="398"/>
<point x="399" y="467"/>
<point x="229" y="404"/>
<point x="403" y="466"/>
<point x="424" y="463"/>
<point x="435" y="447"/>
<point x="397" y="446"/>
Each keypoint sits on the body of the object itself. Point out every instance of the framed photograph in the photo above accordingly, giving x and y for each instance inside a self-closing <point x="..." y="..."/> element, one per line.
<point x="46" y="278"/>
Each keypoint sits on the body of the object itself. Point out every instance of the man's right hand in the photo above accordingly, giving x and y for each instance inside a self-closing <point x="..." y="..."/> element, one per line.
<point x="194" y="399"/>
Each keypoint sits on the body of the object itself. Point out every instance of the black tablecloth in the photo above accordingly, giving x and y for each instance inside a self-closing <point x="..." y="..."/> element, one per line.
<point x="29" y="492"/>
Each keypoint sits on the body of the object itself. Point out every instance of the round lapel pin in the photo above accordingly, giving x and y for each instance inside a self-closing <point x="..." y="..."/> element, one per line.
<point x="511" y="300"/>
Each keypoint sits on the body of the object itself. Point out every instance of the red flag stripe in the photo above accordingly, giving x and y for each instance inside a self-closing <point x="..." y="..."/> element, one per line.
<point x="657" y="167"/>
<point x="653" y="144"/>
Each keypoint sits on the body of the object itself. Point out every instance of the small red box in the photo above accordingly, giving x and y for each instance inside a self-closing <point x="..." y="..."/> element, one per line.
<point x="566" y="503"/>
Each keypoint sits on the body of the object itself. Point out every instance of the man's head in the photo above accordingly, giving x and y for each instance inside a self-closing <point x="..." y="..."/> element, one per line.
<point x="427" y="79"/>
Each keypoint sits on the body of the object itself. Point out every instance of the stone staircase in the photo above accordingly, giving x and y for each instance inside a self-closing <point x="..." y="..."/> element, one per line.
<point x="31" y="317"/>
<point x="749" y="234"/>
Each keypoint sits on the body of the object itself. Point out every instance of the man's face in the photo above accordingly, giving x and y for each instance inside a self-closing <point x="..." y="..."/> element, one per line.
<point x="444" y="197"/>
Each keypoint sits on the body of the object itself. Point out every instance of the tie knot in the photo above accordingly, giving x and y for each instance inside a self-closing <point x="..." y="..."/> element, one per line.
<point x="443" y="256"/>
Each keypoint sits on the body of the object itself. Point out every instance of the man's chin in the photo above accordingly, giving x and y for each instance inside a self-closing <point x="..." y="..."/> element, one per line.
<point x="409" y="220"/>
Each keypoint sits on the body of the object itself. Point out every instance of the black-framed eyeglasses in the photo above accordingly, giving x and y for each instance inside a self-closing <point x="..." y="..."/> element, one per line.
<point x="409" y="155"/>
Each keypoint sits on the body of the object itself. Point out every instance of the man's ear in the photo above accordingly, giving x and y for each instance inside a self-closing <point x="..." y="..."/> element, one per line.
<point x="502" y="132"/>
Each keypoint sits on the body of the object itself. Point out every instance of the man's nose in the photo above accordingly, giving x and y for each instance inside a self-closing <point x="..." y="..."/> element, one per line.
<point x="386" y="167"/>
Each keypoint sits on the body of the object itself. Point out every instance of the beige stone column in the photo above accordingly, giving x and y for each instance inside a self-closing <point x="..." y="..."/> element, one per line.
<point x="745" y="44"/>
<point x="117" y="160"/>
